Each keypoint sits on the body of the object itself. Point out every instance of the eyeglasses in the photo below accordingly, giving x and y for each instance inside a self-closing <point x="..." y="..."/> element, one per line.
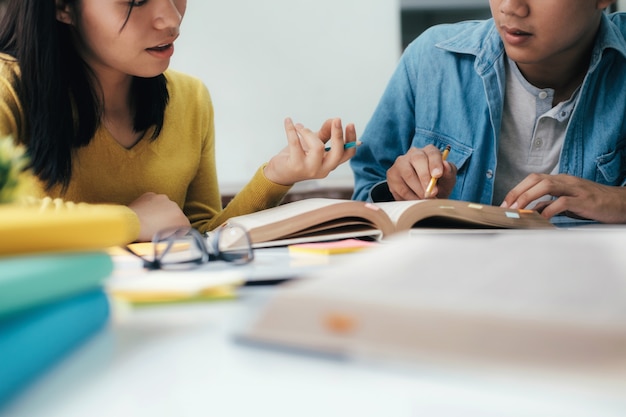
<point x="185" y="247"/>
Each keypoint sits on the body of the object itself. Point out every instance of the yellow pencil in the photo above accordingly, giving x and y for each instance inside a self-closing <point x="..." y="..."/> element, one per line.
<point x="433" y="180"/>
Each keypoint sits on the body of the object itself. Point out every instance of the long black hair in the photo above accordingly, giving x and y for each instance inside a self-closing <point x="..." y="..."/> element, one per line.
<point x="58" y="91"/>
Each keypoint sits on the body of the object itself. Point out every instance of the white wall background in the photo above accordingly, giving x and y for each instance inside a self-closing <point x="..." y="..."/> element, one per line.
<point x="307" y="59"/>
<point x="264" y="61"/>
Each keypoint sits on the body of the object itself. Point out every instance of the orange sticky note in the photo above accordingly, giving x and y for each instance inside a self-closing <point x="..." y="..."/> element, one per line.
<point x="340" y="323"/>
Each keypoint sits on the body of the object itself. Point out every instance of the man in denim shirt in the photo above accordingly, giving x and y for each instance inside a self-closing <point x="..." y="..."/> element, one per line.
<point x="532" y="103"/>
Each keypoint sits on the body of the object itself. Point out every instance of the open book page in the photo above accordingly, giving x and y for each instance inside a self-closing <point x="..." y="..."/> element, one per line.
<point x="322" y="219"/>
<point x="395" y="209"/>
<point x="354" y="231"/>
<point x="531" y="275"/>
<point x="444" y="213"/>
<point x="523" y="297"/>
<point x="315" y="219"/>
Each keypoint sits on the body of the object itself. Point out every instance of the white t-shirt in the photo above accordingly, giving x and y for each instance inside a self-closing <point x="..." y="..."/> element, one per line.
<point x="532" y="132"/>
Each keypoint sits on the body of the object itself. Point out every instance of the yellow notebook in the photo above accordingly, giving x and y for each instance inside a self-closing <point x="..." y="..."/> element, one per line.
<point x="29" y="229"/>
<point x="225" y="292"/>
<point x="142" y="287"/>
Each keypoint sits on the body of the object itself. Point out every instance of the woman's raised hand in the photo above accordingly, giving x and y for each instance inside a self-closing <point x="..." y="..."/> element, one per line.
<point x="311" y="155"/>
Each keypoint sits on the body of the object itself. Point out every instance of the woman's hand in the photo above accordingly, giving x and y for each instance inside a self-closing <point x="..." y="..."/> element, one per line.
<point x="157" y="212"/>
<point x="573" y="196"/>
<point x="305" y="156"/>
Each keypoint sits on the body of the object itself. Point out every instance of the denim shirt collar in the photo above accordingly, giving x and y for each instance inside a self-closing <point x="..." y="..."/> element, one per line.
<point x="483" y="41"/>
<point x="609" y="37"/>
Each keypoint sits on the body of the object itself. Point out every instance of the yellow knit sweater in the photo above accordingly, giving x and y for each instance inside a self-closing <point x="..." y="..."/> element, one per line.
<point x="180" y="163"/>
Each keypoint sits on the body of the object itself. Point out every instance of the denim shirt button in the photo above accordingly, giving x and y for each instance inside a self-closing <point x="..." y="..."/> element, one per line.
<point x="490" y="174"/>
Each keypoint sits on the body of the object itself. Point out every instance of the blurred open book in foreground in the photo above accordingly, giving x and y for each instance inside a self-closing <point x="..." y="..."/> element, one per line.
<point x="544" y="298"/>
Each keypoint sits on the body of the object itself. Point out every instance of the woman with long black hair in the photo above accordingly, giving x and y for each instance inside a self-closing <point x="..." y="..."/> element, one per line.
<point x="85" y="86"/>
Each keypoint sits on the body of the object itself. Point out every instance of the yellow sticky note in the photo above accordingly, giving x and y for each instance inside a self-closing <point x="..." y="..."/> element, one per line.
<point x="211" y="294"/>
<point x="331" y="248"/>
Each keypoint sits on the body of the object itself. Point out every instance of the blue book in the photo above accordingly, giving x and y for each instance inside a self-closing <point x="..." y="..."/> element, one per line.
<point x="33" y="341"/>
<point x="27" y="281"/>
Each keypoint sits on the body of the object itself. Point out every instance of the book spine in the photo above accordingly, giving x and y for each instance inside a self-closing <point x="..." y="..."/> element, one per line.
<point x="29" y="280"/>
<point x="33" y="342"/>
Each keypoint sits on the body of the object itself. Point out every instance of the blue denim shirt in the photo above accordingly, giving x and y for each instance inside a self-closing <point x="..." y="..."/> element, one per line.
<point x="448" y="89"/>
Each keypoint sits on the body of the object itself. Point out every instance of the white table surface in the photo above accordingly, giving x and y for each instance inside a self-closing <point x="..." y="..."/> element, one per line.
<point x="184" y="360"/>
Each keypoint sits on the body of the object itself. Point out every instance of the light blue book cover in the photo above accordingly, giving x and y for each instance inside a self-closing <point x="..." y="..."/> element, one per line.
<point x="27" y="281"/>
<point x="32" y="342"/>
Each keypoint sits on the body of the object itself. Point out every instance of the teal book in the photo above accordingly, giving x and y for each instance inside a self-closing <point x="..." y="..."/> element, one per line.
<point x="27" y="281"/>
<point x="34" y="341"/>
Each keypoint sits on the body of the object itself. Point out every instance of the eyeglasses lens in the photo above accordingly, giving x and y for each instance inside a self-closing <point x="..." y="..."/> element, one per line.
<point x="233" y="245"/>
<point x="179" y="248"/>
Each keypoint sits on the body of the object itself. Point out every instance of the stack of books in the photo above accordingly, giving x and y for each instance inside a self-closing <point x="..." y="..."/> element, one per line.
<point x="51" y="289"/>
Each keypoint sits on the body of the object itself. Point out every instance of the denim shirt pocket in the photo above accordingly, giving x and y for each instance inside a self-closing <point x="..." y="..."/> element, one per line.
<point x="611" y="167"/>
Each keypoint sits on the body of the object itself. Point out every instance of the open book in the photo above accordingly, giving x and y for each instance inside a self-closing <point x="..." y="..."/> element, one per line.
<point x="502" y="297"/>
<point x="319" y="219"/>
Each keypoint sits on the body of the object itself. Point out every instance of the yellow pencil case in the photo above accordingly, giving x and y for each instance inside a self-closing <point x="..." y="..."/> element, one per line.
<point x="26" y="229"/>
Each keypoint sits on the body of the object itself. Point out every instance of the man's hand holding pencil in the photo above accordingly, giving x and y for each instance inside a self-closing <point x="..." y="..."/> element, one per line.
<point x="422" y="173"/>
